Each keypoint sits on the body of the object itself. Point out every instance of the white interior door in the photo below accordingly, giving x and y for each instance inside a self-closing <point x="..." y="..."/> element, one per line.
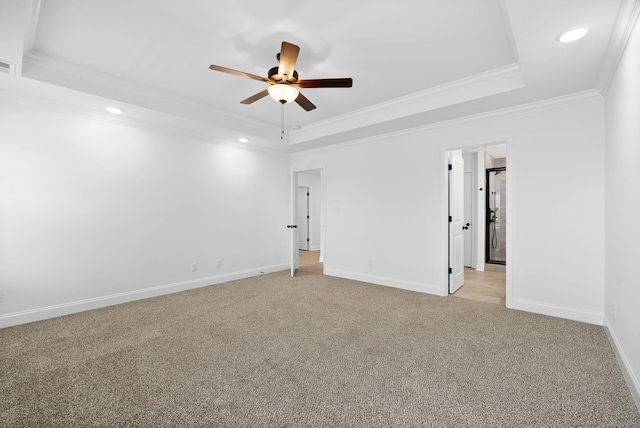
<point x="468" y="215"/>
<point x="303" y="218"/>
<point x="456" y="221"/>
<point x="293" y="223"/>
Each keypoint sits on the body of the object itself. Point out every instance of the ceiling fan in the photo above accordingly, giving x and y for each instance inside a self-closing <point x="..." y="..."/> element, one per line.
<point x="283" y="80"/>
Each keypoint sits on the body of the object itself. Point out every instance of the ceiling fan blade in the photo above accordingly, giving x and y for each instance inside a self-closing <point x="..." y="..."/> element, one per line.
<point x="304" y="102"/>
<point x="255" y="97"/>
<point x="238" y="73"/>
<point x="325" y="83"/>
<point x="288" y="57"/>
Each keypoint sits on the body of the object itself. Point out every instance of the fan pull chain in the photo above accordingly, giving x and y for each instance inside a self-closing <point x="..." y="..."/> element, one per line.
<point x="282" y="121"/>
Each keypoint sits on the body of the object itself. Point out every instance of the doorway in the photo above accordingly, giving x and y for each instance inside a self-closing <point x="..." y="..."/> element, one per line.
<point x="483" y="280"/>
<point x="308" y="202"/>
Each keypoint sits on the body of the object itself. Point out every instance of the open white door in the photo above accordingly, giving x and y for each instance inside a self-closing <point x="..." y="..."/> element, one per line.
<point x="293" y="223"/>
<point x="456" y="220"/>
<point x="468" y="216"/>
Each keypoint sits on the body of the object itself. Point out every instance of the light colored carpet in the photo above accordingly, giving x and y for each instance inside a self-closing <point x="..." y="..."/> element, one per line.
<point x="310" y="351"/>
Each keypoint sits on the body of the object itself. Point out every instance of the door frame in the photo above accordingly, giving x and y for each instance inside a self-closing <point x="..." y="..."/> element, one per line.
<point x="444" y="198"/>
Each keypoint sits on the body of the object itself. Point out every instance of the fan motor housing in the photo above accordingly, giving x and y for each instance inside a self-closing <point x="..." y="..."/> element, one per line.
<point x="273" y="75"/>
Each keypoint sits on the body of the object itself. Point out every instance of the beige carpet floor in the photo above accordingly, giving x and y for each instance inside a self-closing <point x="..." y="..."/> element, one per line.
<point x="310" y="351"/>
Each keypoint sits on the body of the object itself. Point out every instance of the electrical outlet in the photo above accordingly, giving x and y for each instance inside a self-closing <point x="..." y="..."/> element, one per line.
<point x="370" y="264"/>
<point x="219" y="263"/>
<point x="1" y="295"/>
<point x="615" y="310"/>
<point x="194" y="267"/>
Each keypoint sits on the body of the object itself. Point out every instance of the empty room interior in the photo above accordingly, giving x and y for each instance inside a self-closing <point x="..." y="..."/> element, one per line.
<point x="465" y="161"/>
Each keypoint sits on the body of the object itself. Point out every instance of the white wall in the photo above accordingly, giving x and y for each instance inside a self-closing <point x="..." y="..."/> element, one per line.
<point x="623" y="210"/>
<point x="95" y="213"/>
<point x="386" y="203"/>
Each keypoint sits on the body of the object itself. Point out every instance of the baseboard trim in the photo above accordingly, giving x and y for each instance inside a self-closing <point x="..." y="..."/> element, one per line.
<point x="590" y="317"/>
<point x="38" y="314"/>
<point x="627" y="371"/>
<point x="389" y="282"/>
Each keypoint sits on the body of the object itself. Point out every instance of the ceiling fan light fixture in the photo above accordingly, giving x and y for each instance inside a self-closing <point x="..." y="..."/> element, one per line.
<point x="573" y="35"/>
<point x="283" y="80"/>
<point x="283" y="93"/>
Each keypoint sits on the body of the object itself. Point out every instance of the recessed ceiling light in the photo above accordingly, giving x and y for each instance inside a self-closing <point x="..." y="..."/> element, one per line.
<point x="243" y="140"/>
<point x="114" y="110"/>
<point x="573" y="35"/>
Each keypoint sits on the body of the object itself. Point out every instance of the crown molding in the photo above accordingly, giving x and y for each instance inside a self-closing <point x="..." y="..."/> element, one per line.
<point x="547" y="104"/>
<point x="161" y="125"/>
<point x="627" y="18"/>
<point x="492" y="82"/>
<point x="50" y="70"/>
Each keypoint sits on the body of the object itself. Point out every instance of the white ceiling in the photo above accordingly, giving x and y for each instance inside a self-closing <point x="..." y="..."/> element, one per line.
<point x="412" y="63"/>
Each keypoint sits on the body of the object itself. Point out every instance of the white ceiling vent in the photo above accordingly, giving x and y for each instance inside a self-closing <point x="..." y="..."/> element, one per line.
<point x="7" y="67"/>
